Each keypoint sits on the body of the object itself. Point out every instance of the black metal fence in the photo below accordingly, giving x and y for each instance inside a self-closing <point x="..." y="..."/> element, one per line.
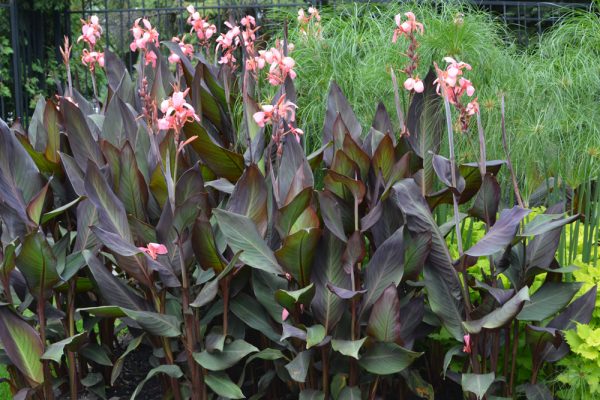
<point x="527" y="19"/>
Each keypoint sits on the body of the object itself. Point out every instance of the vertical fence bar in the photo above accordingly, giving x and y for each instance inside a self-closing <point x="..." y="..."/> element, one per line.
<point x="14" y="31"/>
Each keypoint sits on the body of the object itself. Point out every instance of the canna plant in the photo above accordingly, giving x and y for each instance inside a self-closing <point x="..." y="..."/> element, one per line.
<point x="249" y="267"/>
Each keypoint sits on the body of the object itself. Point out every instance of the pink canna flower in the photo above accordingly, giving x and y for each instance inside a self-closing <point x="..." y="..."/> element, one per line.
<point x="176" y="112"/>
<point x="265" y="116"/>
<point x="204" y="30"/>
<point x="91" y="58"/>
<point x="144" y="35"/>
<point x="472" y="107"/>
<point x="154" y="250"/>
<point x="228" y="43"/>
<point x="186" y="48"/>
<point x="282" y="117"/>
<point x="414" y="84"/>
<point x="305" y="21"/>
<point x="150" y="58"/>
<point x="467" y="346"/>
<point x="406" y="28"/>
<point x="284" y="314"/>
<point x="280" y="66"/>
<point x="91" y="31"/>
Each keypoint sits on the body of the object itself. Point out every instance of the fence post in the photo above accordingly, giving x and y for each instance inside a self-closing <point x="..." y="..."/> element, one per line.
<point x="14" y="31"/>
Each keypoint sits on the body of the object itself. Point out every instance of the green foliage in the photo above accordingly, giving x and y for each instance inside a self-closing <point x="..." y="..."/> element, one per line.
<point x="581" y="371"/>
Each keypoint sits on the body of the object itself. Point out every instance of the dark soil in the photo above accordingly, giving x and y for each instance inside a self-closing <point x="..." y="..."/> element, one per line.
<point x="135" y="369"/>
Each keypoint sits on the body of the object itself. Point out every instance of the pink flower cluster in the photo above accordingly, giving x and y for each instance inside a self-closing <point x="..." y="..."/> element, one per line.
<point x="408" y="29"/>
<point x="281" y="116"/>
<point x="154" y="250"/>
<point x="228" y="43"/>
<point x="204" y="30"/>
<point x="91" y="31"/>
<point x="186" y="48"/>
<point x="451" y="83"/>
<point x="305" y="21"/>
<point x="176" y="112"/>
<point x="143" y="36"/>
<point x="281" y="66"/>
<point x="91" y="58"/>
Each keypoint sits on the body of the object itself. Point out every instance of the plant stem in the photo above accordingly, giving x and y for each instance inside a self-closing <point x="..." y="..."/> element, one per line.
<point x="41" y="311"/>
<point x="71" y="325"/>
<point x="373" y="390"/>
<point x="325" y="369"/>
<point x="508" y="163"/>
<point x="515" y="349"/>
<point x="466" y="297"/>
<point x="190" y="334"/>
<point x="225" y="293"/>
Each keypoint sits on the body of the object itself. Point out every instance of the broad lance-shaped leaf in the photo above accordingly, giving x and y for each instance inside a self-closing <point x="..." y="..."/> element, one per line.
<point x="485" y="206"/>
<point x="309" y="394"/>
<point x="22" y="345"/>
<point x="37" y="263"/>
<point x="118" y="366"/>
<point x="297" y="253"/>
<point x="132" y="186"/>
<point x="579" y="311"/>
<point x="384" y="268"/>
<point x="171" y="370"/>
<point x="549" y="299"/>
<point x="224" y="163"/>
<point x="331" y="211"/>
<point x="328" y="269"/>
<point x="298" y="367"/>
<point x="113" y="290"/>
<point x="348" y="348"/>
<point x="543" y="223"/>
<point x="155" y="323"/>
<point x="112" y="215"/>
<point x="242" y="235"/>
<point x="253" y="314"/>
<point x="83" y="143"/>
<point x="441" y="279"/>
<point x="477" y="384"/>
<point x="249" y="197"/>
<point x="542" y="248"/>
<point x="384" y="322"/>
<point x="204" y="245"/>
<point x="501" y="234"/>
<point x="387" y="359"/>
<point x="221" y="360"/>
<point x="500" y="316"/>
<point x="222" y="385"/>
<point x="338" y="107"/>
<point x="315" y="335"/>
<point x="443" y="169"/>
<point x="289" y="298"/>
<point x="56" y="350"/>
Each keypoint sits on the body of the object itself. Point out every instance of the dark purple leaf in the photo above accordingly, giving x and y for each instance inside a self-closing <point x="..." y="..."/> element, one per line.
<point x="501" y="234"/>
<point x="486" y="202"/>
<point x="384" y="322"/>
<point x="345" y="294"/>
<point x="443" y="170"/>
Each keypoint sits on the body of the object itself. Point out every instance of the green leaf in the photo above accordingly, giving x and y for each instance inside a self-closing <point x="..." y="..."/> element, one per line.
<point x="56" y="350"/>
<point x="350" y="393"/>
<point x="220" y="383"/>
<point x="252" y="314"/>
<point x="289" y="299"/>
<point x="456" y="350"/>
<point x="348" y="348"/>
<point x="36" y="205"/>
<point x="224" y="163"/>
<point x="387" y="358"/>
<point x="56" y="212"/>
<point x="22" y="345"/>
<point x="297" y="253"/>
<point x="298" y="367"/>
<point x="154" y="323"/>
<point x="384" y="322"/>
<point x="309" y="394"/>
<point x="204" y="246"/>
<point x="38" y="264"/>
<point x="171" y="370"/>
<point x="543" y="223"/>
<point x="242" y="235"/>
<point x="500" y="316"/>
<point x="51" y="117"/>
<point x="221" y="360"/>
<point x="477" y="384"/>
<point x="314" y="335"/>
<point x="96" y="353"/>
<point x="549" y="299"/>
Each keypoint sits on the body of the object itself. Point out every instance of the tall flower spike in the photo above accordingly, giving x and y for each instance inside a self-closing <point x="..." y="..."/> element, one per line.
<point x="91" y="31"/>
<point x="453" y="85"/>
<point x="143" y="35"/>
<point x="409" y="28"/>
